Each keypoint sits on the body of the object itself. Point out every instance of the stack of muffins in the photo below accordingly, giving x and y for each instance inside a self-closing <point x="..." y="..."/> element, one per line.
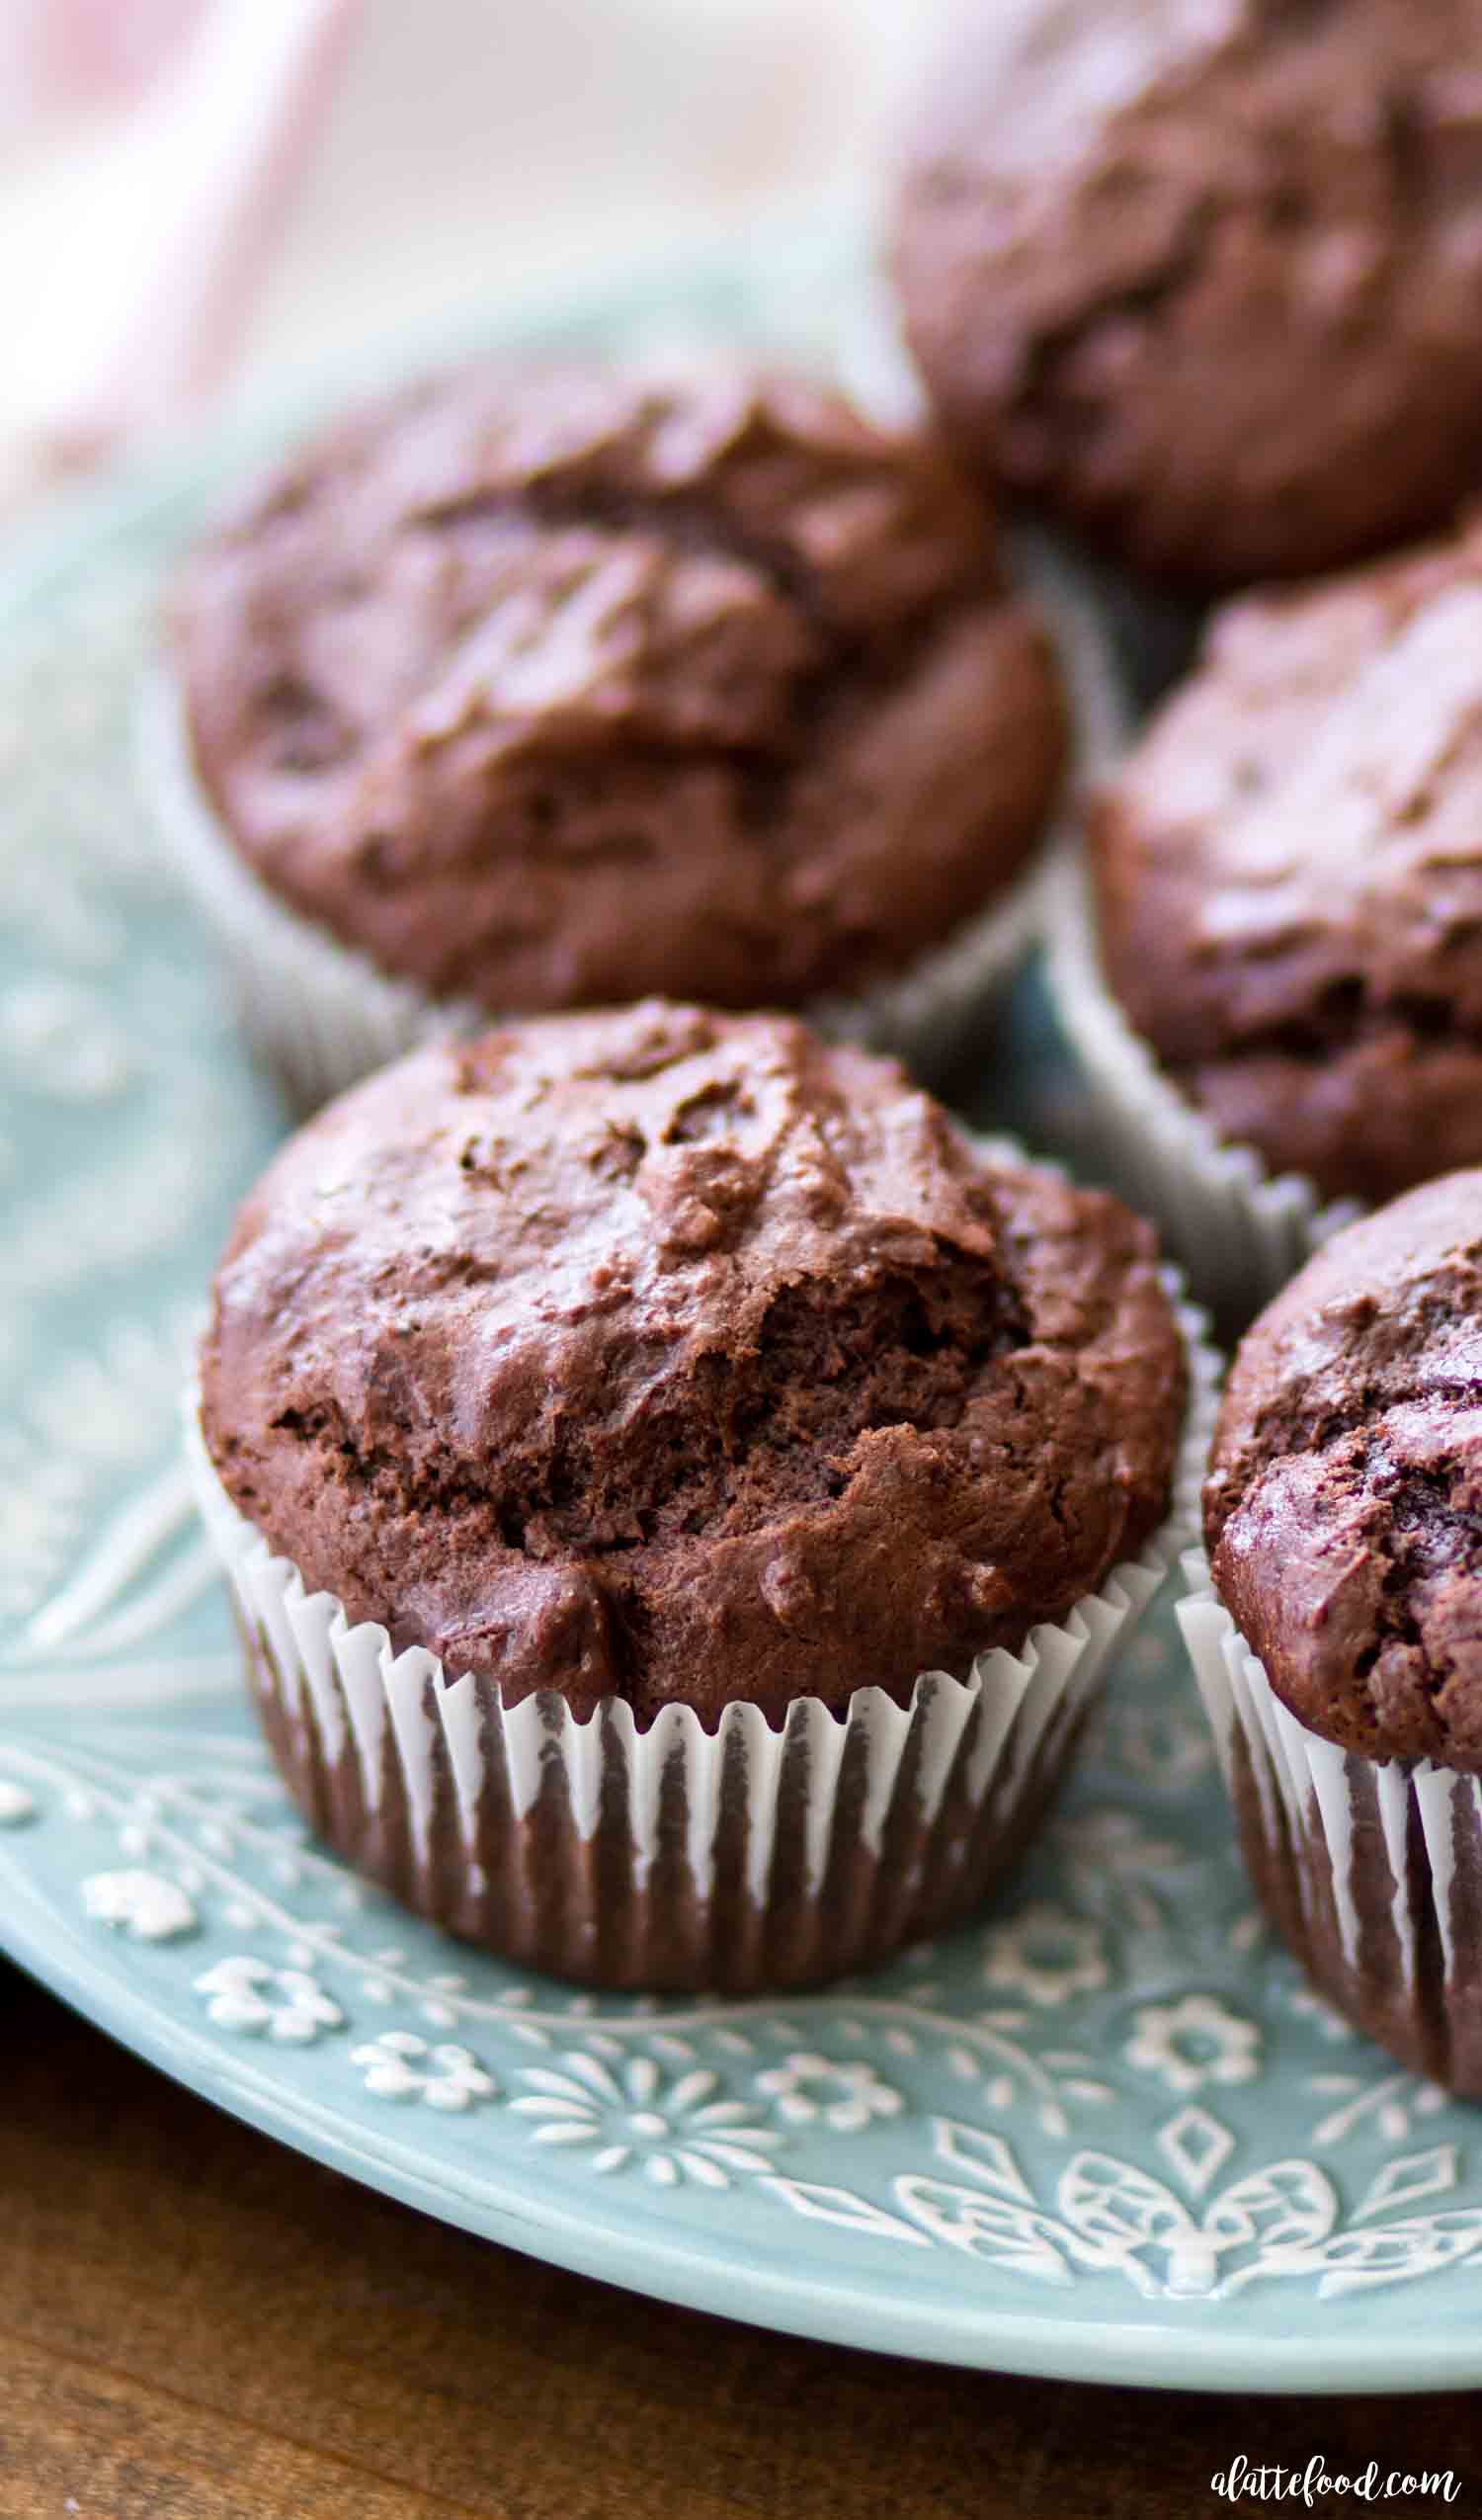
<point x="1202" y="281"/>
<point x="682" y="1491"/>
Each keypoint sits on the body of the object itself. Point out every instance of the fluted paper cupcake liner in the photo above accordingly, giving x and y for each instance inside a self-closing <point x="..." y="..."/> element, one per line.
<point x="322" y="1015"/>
<point x="673" y="1857"/>
<point x="317" y="1012"/>
<point x="1372" y="1869"/>
<point x="1239" y="1230"/>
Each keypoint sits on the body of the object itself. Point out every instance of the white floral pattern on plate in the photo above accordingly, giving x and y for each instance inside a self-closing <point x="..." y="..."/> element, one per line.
<point x="248" y="1994"/>
<point x="1046" y="1953"/>
<point x="690" y="2127"/>
<point x="145" y="1904"/>
<point x="1196" y="2041"/>
<point x="400" y="2064"/>
<point x="812" y="2090"/>
<point x="1283" y="2220"/>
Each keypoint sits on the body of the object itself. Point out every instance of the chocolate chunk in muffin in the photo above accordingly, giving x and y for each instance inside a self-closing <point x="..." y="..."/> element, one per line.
<point x="550" y="689"/>
<point x="1202" y="275"/>
<point x="1289" y="872"/>
<point x="1344" y="1506"/>
<point x="679" y="1358"/>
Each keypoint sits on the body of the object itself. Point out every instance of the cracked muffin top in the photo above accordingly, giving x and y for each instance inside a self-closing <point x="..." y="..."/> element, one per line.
<point x="682" y="1358"/>
<point x="1289" y="875"/>
<point x="551" y="688"/>
<point x="1202" y="275"/>
<point x="1343" y="1511"/>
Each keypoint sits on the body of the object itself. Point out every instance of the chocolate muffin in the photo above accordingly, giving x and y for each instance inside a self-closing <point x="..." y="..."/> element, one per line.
<point x="656" y="1361"/>
<point x="1288" y="872"/>
<point x="1342" y="1517"/>
<point x="661" y="1357"/>
<point x="546" y="688"/>
<point x="1202" y="275"/>
<point x="1343" y="1505"/>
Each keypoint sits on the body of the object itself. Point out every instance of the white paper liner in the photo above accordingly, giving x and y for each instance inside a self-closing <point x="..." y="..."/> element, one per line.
<point x="675" y="1855"/>
<point x="319" y="1013"/>
<point x="1371" y="1867"/>
<point x="1239" y="1230"/>
<point x="322" y="1015"/>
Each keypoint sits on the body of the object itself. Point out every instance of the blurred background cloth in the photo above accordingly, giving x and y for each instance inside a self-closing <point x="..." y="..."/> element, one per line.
<point x="195" y="194"/>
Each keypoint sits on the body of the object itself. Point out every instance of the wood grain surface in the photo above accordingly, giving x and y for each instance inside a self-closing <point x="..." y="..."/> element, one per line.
<point x="198" y="2324"/>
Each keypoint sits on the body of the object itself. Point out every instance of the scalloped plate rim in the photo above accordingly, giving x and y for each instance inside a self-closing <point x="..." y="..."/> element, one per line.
<point x="763" y="2294"/>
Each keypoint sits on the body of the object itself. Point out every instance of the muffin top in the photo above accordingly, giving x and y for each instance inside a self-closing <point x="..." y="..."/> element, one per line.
<point x="679" y="1357"/>
<point x="1343" y="1510"/>
<point x="1289" y="872"/>
<point x="550" y="688"/>
<point x="1203" y="274"/>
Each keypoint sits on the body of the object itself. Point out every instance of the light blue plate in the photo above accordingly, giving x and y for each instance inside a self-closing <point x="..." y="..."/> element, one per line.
<point x="1105" y="2135"/>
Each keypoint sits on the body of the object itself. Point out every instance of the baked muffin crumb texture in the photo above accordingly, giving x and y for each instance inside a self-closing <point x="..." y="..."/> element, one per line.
<point x="551" y="688"/>
<point x="1289" y="875"/>
<point x="1343" y="1510"/>
<point x="681" y="1357"/>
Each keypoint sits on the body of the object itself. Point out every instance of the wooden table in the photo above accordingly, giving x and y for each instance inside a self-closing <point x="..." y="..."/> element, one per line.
<point x="198" y="2324"/>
